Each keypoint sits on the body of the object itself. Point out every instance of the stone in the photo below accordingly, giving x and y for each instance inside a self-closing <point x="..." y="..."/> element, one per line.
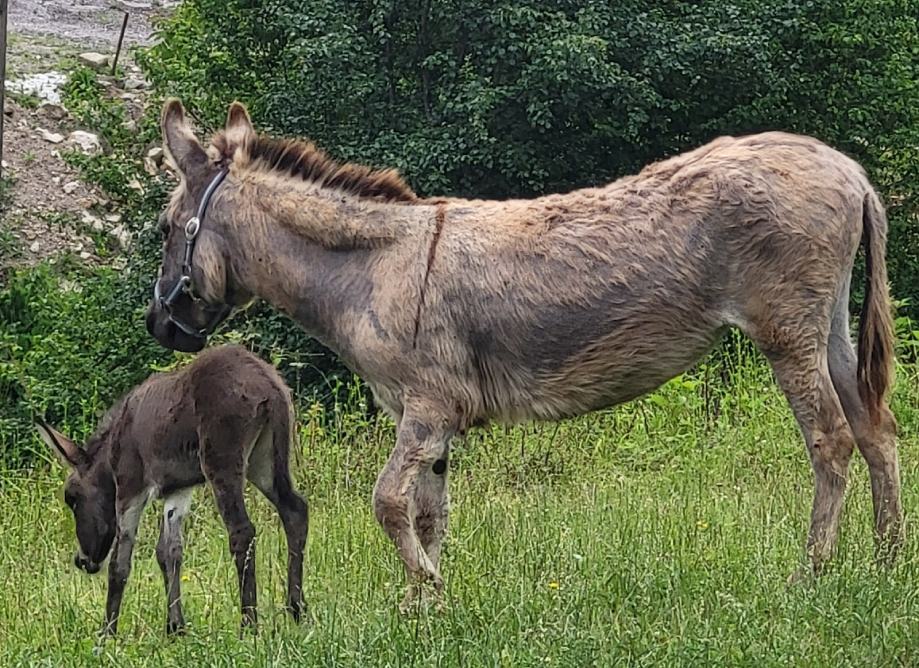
<point x="71" y="187"/>
<point x="134" y="84"/>
<point x="85" y="255"/>
<point x="122" y="236"/>
<point x="97" y="225"/>
<point x="113" y="218"/>
<point x="87" y="141"/>
<point x="51" y="137"/>
<point x="156" y="155"/>
<point x="53" y="111"/>
<point x="96" y="61"/>
<point x="150" y="167"/>
<point x="35" y="247"/>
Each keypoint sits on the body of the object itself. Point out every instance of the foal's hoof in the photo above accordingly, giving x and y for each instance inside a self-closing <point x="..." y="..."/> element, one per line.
<point x="297" y="611"/>
<point x="174" y="629"/>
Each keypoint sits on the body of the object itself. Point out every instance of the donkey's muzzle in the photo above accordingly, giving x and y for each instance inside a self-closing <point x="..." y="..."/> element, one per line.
<point x="85" y="564"/>
<point x="162" y="328"/>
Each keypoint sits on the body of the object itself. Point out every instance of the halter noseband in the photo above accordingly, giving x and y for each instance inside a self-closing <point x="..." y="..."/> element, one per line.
<point x="184" y="284"/>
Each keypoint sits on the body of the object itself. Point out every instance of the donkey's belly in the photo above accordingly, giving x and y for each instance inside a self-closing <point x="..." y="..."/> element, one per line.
<point x="602" y="374"/>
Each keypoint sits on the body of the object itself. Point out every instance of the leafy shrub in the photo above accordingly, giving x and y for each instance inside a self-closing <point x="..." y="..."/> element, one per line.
<point x="517" y="98"/>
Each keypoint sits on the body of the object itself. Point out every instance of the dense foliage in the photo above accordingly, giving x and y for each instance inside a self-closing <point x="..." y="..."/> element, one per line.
<point x="517" y="98"/>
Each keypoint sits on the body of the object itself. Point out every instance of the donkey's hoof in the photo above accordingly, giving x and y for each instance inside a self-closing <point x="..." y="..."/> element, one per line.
<point x="423" y="598"/>
<point x="802" y="576"/>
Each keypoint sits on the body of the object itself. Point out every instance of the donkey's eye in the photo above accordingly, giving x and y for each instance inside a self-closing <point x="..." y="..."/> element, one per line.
<point x="164" y="226"/>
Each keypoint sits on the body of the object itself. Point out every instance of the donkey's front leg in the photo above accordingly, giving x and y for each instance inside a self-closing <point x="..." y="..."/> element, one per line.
<point x="423" y="437"/>
<point x="128" y="514"/>
<point x="169" y="556"/>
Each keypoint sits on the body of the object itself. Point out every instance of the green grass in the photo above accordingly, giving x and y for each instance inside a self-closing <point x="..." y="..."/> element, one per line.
<point x="646" y="535"/>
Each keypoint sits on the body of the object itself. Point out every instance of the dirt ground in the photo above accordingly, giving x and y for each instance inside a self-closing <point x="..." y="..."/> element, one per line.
<point x="49" y="210"/>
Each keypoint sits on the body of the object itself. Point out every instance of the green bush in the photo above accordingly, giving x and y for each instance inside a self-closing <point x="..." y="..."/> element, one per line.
<point x="505" y="98"/>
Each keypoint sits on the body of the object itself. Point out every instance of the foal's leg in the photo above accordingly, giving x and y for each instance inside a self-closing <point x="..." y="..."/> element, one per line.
<point x="224" y="467"/>
<point x="268" y="470"/>
<point x="876" y="441"/>
<point x="128" y="512"/>
<point x="805" y="380"/>
<point x="169" y="556"/>
<point x="423" y="437"/>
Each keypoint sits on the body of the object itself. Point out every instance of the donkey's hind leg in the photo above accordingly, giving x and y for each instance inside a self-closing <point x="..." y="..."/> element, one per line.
<point x="804" y="377"/>
<point x="876" y="441"/>
<point x="269" y="472"/>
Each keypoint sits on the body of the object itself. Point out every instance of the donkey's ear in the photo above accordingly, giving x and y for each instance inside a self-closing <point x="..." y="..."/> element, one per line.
<point x="70" y="454"/>
<point x="238" y="132"/>
<point x="180" y="142"/>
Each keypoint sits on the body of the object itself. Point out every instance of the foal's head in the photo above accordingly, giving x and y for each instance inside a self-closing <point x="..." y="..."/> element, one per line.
<point x="90" y="493"/>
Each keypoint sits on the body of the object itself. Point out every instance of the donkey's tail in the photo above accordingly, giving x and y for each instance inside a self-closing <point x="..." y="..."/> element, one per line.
<point x="875" y="329"/>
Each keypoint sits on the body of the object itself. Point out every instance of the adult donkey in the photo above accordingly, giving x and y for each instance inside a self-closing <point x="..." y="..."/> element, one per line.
<point x="224" y="418"/>
<point x="457" y="312"/>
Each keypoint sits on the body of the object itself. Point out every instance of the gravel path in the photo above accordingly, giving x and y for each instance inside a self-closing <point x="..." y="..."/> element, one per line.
<point x="93" y="23"/>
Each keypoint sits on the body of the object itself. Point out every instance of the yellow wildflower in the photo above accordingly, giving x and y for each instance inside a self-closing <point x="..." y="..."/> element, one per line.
<point x="554" y="584"/>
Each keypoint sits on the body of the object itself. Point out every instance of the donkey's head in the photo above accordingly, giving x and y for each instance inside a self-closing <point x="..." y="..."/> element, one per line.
<point x="195" y="290"/>
<point x="90" y="493"/>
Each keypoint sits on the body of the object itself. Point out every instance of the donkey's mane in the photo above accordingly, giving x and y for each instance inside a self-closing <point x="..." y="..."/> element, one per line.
<point x="299" y="158"/>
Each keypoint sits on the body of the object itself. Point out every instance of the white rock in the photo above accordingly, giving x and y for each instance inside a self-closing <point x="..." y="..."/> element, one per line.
<point x="122" y="235"/>
<point x="71" y="187"/>
<point x="156" y="155"/>
<point x="35" y="247"/>
<point x="56" y="180"/>
<point x="48" y="136"/>
<point x="150" y="167"/>
<point x="97" y="61"/>
<point x="85" y="255"/>
<point x="87" y="141"/>
<point x="97" y="225"/>
<point x="113" y="218"/>
<point x="134" y="84"/>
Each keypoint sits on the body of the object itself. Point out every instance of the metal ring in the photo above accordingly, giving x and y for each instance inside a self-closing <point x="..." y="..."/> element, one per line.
<point x="192" y="227"/>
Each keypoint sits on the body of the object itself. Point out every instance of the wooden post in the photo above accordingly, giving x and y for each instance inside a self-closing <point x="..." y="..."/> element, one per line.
<point x="124" y="25"/>
<point x="4" y="5"/>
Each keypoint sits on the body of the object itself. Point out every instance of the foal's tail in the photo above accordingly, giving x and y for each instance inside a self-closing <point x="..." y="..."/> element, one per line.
<point x="284" y="435"/>
<point x="875" y="330"/>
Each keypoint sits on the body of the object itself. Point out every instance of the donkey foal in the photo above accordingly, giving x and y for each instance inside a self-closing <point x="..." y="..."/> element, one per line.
<point x="224" y="418"/>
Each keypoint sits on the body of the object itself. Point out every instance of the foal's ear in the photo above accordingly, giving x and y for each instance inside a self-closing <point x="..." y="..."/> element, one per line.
<point x="67" y="451"/>
<point x="180" y="142"/>
<point x="238" y="132"/>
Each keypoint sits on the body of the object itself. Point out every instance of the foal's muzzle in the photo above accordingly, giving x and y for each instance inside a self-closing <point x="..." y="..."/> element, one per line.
<point x="85" y="564"/>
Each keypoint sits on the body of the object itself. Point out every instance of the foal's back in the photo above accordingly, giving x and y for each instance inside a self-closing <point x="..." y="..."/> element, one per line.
<point x="227" y="396"/>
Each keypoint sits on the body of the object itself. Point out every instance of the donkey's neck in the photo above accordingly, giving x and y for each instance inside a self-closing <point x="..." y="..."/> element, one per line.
<point x="328" y="218"/>
<point x="315" y="255"/>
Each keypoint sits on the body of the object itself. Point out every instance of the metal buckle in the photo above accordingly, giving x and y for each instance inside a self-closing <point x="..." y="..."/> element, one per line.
<point x="192" y="227"/>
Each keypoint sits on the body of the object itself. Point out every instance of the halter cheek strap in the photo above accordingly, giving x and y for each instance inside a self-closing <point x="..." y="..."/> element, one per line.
<point x="184" y="285"/>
